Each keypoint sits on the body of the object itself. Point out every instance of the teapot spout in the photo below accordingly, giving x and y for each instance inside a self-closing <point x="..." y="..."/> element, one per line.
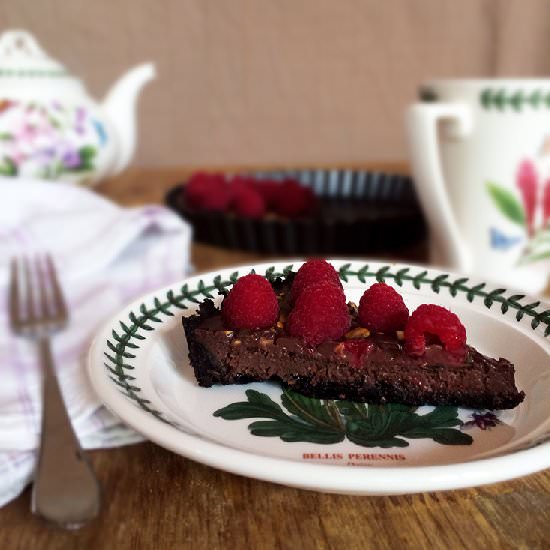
<point x="120" y="106"/>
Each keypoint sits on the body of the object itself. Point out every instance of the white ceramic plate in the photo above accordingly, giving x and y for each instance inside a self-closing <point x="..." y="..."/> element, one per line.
<point x="138" y="365"/>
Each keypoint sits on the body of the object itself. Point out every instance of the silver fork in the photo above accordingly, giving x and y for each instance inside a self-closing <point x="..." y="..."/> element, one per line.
<point x="65" y="489"/>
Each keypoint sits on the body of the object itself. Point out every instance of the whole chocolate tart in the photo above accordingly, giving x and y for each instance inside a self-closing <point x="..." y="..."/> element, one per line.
<point x="359" y="367"/>
<point x="381" y="207"/>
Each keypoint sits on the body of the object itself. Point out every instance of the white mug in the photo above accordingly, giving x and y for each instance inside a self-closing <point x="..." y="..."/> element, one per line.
<point x="480" y="152"/>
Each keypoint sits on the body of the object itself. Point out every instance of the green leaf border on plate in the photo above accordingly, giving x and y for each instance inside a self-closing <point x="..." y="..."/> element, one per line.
<point x="119" y="354"/>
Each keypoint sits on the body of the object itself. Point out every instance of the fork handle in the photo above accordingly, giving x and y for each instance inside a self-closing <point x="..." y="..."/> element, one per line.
<point x="65" y="489"/>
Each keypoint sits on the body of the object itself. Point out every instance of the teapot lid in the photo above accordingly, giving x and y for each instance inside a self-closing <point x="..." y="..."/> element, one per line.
<point x="21" y="56"/>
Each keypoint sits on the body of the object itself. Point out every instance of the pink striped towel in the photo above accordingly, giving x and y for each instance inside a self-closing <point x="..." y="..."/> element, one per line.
<point x="106" y="255"/>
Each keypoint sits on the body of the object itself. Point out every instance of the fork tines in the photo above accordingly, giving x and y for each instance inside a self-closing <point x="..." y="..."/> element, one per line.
<point x="35" y="297"/>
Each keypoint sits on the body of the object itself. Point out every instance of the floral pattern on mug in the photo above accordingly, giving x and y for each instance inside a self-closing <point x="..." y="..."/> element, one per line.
<point x="531" y="211"/>
<point x="47" y="140"/>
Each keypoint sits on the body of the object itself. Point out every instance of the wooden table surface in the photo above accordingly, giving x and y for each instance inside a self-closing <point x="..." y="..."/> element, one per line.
<point x="156" y="499"/>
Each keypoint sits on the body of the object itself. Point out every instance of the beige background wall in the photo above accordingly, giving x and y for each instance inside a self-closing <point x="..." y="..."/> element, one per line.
<point x="283" y="81"/>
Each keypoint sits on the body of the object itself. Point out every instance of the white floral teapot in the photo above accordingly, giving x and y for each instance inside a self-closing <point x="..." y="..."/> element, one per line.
<point x="50" y="128"/>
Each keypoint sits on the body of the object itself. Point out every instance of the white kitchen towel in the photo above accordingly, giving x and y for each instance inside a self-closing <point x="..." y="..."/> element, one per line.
<point x="106" y="255"/>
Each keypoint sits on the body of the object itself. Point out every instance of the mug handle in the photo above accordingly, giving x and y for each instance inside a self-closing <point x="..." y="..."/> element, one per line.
<point x="448" y="246"/>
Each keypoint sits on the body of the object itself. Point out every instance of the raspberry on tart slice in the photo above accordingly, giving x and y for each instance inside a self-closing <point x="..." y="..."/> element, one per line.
<point x="250" y="304"/>
<point x="319" y="314"/>
<point x="312" y="272"/>
<point x="429" y="321"/>
<point x="382" y="309"/>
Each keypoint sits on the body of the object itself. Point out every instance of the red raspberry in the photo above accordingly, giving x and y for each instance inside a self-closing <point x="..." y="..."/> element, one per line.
<point x="248" y="202"/>
<point x="208" y="192"/>
<point x="196" y="189"/>
<point x="251" y="303"/>
<point x="269" y="190"/>
<point x="218" y="198"/>
<point x="429" y="321"/>
<point x="382" y="309"/>
<point x="293" y="199"/>
<point x="320" y="314"/>
<point x="242" y="182"/>
<point x="313" y="271"/>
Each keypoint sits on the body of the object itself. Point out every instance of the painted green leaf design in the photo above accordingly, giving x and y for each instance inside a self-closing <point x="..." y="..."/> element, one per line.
<point x="309" y="410"/>
<point x="343" y="272"/>
<point x="87" y="156"/>
<point x="507" y="203"/>
<point x="535" y="98"/>
<point x="292" y="432"/>
<point x="442" y="417"/>
<point x="486" y="97"/>
<point x="516" y="100"/>
<point x="259" y="405"/>
<point x="318" y="421"/>
<point x="362" y="274"/>
<point x="8" y="167"/>
<point x="361" y="436"/>
<point x="538" y="248"/>
<point x="352" y="410"/>
<point x="306" y="427"/>
<point x="501" y="99"/>
<point x="87" y="152"/>
<point x="386" y="422"/>
<point x="536" y="257"/>
<point x="450" y="437"/>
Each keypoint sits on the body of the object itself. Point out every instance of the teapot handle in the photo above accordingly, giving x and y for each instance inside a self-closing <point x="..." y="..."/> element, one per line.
<point x="447" y="243"/>
<point x="20" y="43"/>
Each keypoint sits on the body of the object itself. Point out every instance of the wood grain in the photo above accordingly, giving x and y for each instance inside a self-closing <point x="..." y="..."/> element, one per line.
<point x="156" y="499"/>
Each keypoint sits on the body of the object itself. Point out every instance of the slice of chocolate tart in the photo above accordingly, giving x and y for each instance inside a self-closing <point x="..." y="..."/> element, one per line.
<point x="359" y="366"/>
